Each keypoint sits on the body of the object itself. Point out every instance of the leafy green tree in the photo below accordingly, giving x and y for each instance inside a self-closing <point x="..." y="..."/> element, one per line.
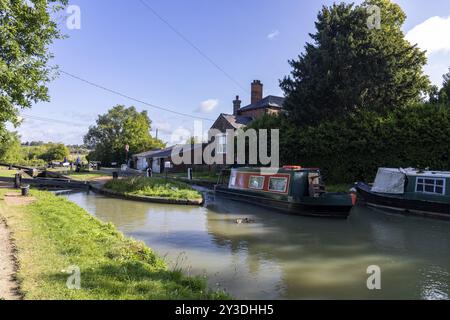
<point x="119" y="127"/>
<point x="10" y="148"/>
<point x="55" y="152"/>
<point x="349" y="66"/>
<point x="26" y="31"/>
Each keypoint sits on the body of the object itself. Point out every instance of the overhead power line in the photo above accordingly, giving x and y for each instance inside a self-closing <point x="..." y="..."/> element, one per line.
<point x="45" y="119"/>
<point x="133" y="99"/>
<point x="196" y="48"/>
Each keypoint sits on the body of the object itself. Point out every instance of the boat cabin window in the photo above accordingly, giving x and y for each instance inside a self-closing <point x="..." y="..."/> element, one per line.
<point x="256" y="182"/>
<point x="233" y="179"/>
<point x="430" y="185"/>
<point x="278" y="184"/>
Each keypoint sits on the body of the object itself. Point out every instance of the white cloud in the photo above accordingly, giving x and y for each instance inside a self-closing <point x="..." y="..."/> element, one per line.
<point x="432" y="35"/>
<point x="208" y="106"/>
<point x="180" y="136"/>
<point x="162" y="126"/>
<point x="273" y="34"/>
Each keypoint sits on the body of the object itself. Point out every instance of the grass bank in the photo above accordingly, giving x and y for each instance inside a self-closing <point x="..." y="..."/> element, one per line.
<point x="80" y="176"/>
<point x="154" y="187"/>
<point x="6" y="173"/>
<point x="86" y="176"/>
<point x="52" y="234"/>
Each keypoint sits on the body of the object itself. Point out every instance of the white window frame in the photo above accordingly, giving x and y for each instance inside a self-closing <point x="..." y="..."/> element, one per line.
<point x="434" y="185"/>
<point x="222" y="143"/>
<point x="285" y="187"/>
<point x="263" y="181"/>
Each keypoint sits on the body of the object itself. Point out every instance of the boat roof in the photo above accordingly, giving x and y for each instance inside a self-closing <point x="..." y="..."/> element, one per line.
<point x="266" y="170"/>
<point x="412" y="172"/>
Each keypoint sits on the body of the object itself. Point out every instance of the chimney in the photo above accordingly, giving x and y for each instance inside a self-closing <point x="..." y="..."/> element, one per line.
<point x="257" y="91"/>
<point x="236" y="106"/>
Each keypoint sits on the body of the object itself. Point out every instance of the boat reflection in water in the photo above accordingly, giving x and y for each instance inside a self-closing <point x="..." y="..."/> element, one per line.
<point x="289" y="257"/>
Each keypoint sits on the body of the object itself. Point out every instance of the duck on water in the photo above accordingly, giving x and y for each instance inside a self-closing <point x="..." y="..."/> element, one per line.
<point x="291" y="189"/>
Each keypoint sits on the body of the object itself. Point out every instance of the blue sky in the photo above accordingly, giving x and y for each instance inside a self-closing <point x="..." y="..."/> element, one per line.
<point x="125" y="47"/>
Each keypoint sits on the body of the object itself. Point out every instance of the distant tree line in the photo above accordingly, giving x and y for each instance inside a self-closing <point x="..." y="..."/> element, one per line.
<point x="13" y="152"/>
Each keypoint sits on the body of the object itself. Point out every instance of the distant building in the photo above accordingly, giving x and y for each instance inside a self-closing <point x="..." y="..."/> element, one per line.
<point x="242" y="117"/>
<point x="258" y="107"/>
<point x="158" y="159"/>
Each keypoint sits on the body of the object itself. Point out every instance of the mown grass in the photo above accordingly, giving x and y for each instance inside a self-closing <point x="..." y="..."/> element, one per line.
<point x="154" y="187"/>
<point x="53" y="234"/>
<point x="6" y="173"/>
<point x="85" y="176"/>
<point x="81" y="176"/>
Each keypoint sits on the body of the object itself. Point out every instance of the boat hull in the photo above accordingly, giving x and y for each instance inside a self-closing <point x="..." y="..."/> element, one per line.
<point x="313" y="208"/>
<point x="400" y="204"/>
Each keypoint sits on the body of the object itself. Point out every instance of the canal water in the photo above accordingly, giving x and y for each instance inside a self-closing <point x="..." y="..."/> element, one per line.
<point x="288" y="257"/>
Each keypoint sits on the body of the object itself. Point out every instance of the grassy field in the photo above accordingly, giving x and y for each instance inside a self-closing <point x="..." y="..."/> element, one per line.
<point x="81" y="176"/>
<point x="86" y="176"/>
<point x="154" y="187"/>
<point x="53" y="234"/>
<point x="5" y="173"/>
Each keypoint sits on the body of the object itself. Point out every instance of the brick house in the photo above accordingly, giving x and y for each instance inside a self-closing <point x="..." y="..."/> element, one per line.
<point x="242" y="117"/>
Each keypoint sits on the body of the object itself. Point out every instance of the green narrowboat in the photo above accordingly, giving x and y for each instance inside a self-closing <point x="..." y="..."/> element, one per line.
<point x="409" y="191"/>
<point x="291" y="189"/>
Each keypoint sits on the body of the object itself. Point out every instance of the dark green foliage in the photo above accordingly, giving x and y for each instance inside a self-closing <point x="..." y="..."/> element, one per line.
<point x="350" y="67"/>
<point x="444" y="94"/>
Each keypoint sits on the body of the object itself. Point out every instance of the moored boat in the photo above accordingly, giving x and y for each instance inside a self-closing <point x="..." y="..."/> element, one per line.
<point x="291" y="189"/>
<point x="409" y="191"/>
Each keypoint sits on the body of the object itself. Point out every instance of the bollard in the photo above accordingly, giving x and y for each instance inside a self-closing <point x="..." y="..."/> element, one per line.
<point x="189" y="173"/>
<point x="17" y="180"/>
<point x="25" y="190"/>
<point x="10" y="167"/>
<point x="115" y="175"/>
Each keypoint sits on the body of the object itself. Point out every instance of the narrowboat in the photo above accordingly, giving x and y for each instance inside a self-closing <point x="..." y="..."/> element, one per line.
<point x="291" y="189"/>
<point x="409" y="191"/>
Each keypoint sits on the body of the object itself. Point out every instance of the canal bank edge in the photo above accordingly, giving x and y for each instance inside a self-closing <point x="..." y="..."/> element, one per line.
<point x="107" y="192"/>
<point x="46" y="234"/>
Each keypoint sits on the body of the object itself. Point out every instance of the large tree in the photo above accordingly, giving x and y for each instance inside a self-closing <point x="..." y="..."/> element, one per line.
<point x="119" y="127"/>
<point x="26" y="31"/>
<point x="444" y="94"/>
<point x="351" y="65"/>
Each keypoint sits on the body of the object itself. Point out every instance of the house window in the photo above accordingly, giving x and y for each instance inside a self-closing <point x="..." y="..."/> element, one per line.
<point x="430" y="185"/>
<point x="278" y="184"/>
<point x="256" y="182"/>
<point x="222" y="145"/>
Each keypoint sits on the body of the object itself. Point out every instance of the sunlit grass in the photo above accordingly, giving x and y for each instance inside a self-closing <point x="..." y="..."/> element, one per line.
<point x="53" y="234"/>
<point x="5" y="173"/>
<point x="154" y="187"/>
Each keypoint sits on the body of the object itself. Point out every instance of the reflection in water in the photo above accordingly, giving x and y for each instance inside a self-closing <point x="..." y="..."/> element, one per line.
<point x="289" y="257"/>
